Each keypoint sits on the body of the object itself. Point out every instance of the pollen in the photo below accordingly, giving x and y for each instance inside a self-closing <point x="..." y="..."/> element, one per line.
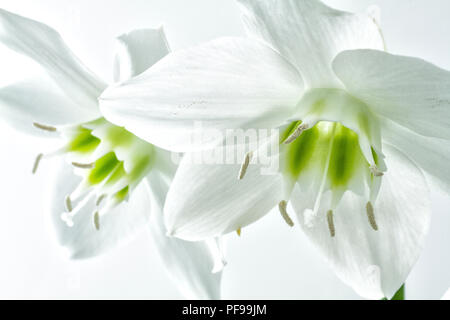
<point x="282" y="207"/>
<point x="371" y="216"/>
<point x="238" y="231"/>
<point x="244" y="167"/>
<point x="330" y="220"/>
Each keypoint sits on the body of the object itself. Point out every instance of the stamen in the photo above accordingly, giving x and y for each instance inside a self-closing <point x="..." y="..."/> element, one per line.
<point x="302" y="127"/>
<point x="68" y="204"/>
<point x="371" y="216"/>
<point x="331" y="223"/>
<point x="238" y="231"/>
<point x="83" y="165"/>
<point x="36" y="162"/>
<point x="44" y="127"/>
<point x="100" y="199"/>
<point x="375" y="171"/>
<point x="282" y="207"/>
<point x="247" y="159"/>
<point x="97" y="220"/>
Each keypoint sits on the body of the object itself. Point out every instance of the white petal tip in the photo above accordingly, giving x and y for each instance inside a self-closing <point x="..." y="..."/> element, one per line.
<point x="67" y="218"/>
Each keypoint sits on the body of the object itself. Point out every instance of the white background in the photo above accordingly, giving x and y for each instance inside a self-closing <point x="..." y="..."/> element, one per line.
<point x="269" y="260"/>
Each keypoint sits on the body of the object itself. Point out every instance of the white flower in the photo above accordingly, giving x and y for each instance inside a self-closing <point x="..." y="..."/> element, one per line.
<point x="363" y="130"/>
<point x="120" y="179"/>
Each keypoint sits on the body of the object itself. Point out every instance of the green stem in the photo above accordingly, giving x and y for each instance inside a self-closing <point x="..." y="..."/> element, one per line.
<point x="400" y="294"/>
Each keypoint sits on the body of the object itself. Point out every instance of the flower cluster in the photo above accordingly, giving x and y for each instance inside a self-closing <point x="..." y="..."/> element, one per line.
<point x="361" y="134"/>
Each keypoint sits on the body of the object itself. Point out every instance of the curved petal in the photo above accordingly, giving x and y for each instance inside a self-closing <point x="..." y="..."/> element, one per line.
<point x="409" y="91"/>
<point x="208" y="200"/>
<point x="375" y="263"/>
<point x="44" y="45"/>
<point x="118" y="226"/>
<point x="224" y="84"/>
<point x="39" y="100"/>
<point x="432" y="155"/>
<point x="310" y="34"/>
<point x="446" y="295"/>
<point x="189" y="264"/>
<point x="137" y="51"/>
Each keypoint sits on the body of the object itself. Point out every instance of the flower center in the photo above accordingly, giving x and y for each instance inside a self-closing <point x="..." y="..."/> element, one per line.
<point x="335" y="147"/>
<point x="111" y="161"/>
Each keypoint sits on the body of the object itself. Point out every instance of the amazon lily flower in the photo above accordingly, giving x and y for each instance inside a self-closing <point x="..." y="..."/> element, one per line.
<point x="112" y="184"/>
<point x="362" y="135"/>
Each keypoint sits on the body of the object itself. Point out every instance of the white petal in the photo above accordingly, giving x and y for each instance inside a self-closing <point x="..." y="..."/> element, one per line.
<point x="430" y="154"/>
<point x="205" y="201"/>
<point x="39" y="100"/>
<point x="118" y="226"/>
<point x="446" y="295"/>
<point x="409" y="91"/>
<point x="310" y="34"/>
<point x="375" y="263"/>
<point x="224" y="84"/>
<point x="45" y="46"/>
<point x="189" y="264"/>
<point x="137" y="51"/>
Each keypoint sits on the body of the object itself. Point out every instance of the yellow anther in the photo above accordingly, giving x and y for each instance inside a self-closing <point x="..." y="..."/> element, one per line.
<point x="282" y="207"/>
<point x="97" y="220"/>
<point x="371" y="216"/>
<point x="375" y="171"/>
<point x="83" y="165"/>
<point x="244" y="167"/>
<point x="302" y="127"/>
<point x="100" y="199"/>
<point x="44" y="127"/>
<point x="68" y="204"/>
<point x="331" y="223"/>
<point x="36" y="162"/>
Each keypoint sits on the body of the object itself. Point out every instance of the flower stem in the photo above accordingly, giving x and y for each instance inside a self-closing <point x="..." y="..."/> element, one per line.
<point x="400" y="294"/>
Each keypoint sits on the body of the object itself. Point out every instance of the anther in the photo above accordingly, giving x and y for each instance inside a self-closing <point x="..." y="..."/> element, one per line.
<point x="238" y="231"/>
<point x="100" y="199"/>
<point x="302" y="127"/>
<point x="371" y="216"/>
<point x="331" y="223"/>
<point x="282" y="207"/>
<point x="36" y="162"/>
<point x="44" y="127"/>
<point x="375" y="171"/>
<point x="68" y="204"/>
<point x="247" y="159"/>
<point x="97" y="220"/>
<point x="83" y="165"/>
